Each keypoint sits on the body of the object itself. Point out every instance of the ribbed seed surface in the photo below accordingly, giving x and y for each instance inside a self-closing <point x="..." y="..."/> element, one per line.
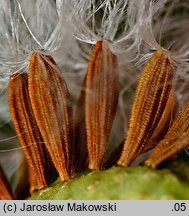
<point x="52" y="109"/>
<point x="27" y="130"/>
<point x="176" y="139"/>
<point x="102" y="89"/>
<point x="165" y="122"/>
<point x="149" y="103"/>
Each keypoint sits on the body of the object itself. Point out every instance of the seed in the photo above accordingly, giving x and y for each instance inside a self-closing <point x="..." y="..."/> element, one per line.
<point x="102" y="88"/>
<point x="52" y="109"/>
<point x="167" y="118"/>
<point x="149" y="103"/>
<point x="26" y="128"/>
<point x="48" y="173"/>
<point x="164" y="124"/>
<point x="176" y="139"/>
<point x="5" y="190"/>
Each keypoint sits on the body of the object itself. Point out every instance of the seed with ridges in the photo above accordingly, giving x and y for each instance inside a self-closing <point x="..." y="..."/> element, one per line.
<point x="52" y="109"/>
<point x="26" y="128"/>
<point x="167" y="118"/>
<point x="164" y="124"/>
<point x="149" y="103"/>
<point x="176" y="139"/>
<point x="102" y="88"/>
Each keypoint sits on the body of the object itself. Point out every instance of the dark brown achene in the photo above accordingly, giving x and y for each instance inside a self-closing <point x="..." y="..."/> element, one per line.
<point x="27" y="130"/>
<point x="52" y="109"/>
<point x="102" y="88"/>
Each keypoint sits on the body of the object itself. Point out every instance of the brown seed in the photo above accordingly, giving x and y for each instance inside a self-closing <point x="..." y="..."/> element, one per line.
<point x="5" y="189"/>
<point x="164" y="124"/>
<point x="149" y="103"/>
<point x="52" y="109"/>
<point x="167" y="118"/>
<point x="176" y="139"/>
<point x="26" y="128"/>
<point x="102" y="88"/>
